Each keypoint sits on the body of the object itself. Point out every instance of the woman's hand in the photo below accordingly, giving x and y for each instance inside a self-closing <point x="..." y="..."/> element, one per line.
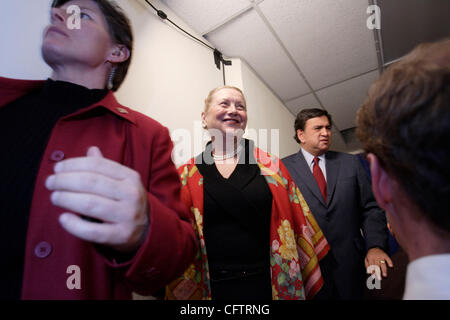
<point x="104" y="190"/>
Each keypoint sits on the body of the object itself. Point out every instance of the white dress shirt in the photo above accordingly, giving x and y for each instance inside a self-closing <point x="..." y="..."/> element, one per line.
<point x="310" y="161"/>
<point x="428" y="278"/>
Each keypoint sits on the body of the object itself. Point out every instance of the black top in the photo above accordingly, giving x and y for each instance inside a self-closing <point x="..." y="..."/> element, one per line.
<point x="25" y="127"/>
<point x="236" y="227"/>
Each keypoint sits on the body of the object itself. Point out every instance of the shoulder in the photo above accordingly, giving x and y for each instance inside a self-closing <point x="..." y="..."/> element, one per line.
<point x="19" y="83"/>
<point x="11" y="89"/>
<point x="144" y="121"/>
<point x="290" y="159"/>
<point x="143" y="125"/>
<point x="341" y="156"/>
<point x="187" y="166"/>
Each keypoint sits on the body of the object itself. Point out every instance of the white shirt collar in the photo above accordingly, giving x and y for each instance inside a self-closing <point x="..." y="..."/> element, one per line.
<point x="428" y="278"/>
<point x="310" y="158"/>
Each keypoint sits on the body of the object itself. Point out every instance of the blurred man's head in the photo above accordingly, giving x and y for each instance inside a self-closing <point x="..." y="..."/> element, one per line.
<point x="404" y="126"/>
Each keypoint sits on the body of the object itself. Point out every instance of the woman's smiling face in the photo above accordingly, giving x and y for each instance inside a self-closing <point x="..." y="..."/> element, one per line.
<point x="227" y="112"/>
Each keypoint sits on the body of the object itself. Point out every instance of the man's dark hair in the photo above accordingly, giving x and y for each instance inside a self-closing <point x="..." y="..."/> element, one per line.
<point x="119" y="29"/>
<point x="305" y="115"/>
<point x="405" y="122"/>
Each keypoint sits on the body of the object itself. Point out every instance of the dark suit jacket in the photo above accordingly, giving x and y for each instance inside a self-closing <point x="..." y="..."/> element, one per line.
<point x="350" y="208"/>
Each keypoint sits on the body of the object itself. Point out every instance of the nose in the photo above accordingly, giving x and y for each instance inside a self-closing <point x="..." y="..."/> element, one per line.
<point x="57" y="15"/>
<point x="325" y="132"/>
<point x="232" y="109"/>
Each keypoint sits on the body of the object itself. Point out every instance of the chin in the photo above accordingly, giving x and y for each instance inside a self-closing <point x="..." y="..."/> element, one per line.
<point x="234" y="131"/>
<point x="50" y="53"/>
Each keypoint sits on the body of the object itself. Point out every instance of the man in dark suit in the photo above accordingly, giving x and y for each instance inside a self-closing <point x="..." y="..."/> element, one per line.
<point x="339" y="194"/>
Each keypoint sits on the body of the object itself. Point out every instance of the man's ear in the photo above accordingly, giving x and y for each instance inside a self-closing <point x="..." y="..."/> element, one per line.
<point x="382" y="183"/>
<point x="119" y="53"/>
<point x="300" y="135"/>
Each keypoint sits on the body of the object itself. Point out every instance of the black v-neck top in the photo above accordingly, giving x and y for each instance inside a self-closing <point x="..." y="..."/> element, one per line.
<point x="25" y="127"/>
<point x="236" y="227"/>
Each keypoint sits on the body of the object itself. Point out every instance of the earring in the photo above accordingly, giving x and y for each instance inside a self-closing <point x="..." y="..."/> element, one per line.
<point x="111" y="76"/>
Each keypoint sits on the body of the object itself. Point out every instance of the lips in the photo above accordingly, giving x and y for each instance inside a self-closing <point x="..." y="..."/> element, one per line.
<point x="56" y="30"/>
<point x="231" y="120"/>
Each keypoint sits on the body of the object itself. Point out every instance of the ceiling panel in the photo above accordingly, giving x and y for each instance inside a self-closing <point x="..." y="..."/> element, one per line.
<point x="247" y="37"/>
<point x="421" y="21"/>
<point x="337" y="141"/>
<point x="304" y="102"/>
<point x="202" y="15"/>
<point x="329" y="40"/>
<point x="344" y="99"/>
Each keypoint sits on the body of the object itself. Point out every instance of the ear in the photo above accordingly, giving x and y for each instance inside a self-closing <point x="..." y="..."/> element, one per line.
<point x="300" y="135"/>
<point x="204" y="120"/>
<point x="119" y="53"/>
<point x="382" y="183"/>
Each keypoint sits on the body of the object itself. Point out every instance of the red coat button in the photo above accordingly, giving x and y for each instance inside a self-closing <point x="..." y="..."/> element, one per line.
<point x="43" y="249"/>
<point x="57" y="155"/>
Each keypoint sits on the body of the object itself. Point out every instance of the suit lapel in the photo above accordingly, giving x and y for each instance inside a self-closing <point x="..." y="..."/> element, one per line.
<point x="332" y="166"/>
<point x="302" y="170"/>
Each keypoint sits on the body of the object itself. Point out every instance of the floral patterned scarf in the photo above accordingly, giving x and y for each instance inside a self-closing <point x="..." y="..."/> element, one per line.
<point x="297" y="243"/>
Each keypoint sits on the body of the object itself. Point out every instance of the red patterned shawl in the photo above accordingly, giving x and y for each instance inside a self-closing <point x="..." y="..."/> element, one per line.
<point x="297" y="242"/>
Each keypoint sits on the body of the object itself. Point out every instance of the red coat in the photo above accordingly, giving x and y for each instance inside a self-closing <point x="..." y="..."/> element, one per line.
<point x="137" y="141"/>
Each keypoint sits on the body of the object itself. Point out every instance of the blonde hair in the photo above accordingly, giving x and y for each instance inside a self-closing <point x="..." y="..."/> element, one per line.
<point x="213" y="91"/>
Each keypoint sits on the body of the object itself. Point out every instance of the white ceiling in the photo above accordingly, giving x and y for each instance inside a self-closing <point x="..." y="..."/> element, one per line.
<point x="311" y="53"/>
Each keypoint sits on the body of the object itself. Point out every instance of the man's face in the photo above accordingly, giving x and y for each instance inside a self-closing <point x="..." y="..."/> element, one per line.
<point x="316" y="138"/>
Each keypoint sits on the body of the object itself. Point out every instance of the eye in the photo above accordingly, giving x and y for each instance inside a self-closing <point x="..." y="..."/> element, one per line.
<point x="84" y="15"/>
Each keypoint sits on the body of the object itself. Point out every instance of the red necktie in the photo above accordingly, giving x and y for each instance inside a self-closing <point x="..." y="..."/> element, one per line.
<point x="318" y="174"/>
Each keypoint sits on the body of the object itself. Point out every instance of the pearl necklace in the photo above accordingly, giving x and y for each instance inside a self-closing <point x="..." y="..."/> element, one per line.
<point x="228" y="155"/>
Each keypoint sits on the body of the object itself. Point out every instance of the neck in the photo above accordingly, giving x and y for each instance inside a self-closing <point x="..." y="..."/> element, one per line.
<point x="313" y="152"/>
<point x="86" y="77"/>
<point x="426" y="243"/>
<point x="225" y="146"/>
<point x="228" y="150"/>
<point x="418" y="236"/>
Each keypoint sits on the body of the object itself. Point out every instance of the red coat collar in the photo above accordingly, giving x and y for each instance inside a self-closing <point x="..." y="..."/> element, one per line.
<point x="12" y="89"/>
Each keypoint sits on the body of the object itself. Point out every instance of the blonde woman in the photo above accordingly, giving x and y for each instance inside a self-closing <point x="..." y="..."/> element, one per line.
<point x="258" y="239"/>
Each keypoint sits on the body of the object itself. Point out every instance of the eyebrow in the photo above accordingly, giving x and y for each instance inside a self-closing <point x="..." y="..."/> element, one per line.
<point x="86" y="8"/>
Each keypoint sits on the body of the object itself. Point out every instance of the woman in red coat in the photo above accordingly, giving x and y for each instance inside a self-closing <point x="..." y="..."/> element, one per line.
<point x="90" y="199"/>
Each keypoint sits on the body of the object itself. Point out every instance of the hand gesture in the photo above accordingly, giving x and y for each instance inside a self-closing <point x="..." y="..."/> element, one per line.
<point x="102" y="190"/>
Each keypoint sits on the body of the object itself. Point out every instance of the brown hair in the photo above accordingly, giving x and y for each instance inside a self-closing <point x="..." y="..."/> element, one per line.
<point x="405" y="122"/>
<point x="305" y="115"/>
<point x="213" y="91"/>
<point x="119" y="29"/>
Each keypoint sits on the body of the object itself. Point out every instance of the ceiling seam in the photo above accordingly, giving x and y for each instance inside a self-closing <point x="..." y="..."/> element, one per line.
<point x="283" y="47"/>
<point x="378" y="43"/>
<point x="333" y="84"/>
<point x="260" y="78"/>
<point x="227" y="20"/>
<point x="387" y="64"/>
<point x="230" y="18"/>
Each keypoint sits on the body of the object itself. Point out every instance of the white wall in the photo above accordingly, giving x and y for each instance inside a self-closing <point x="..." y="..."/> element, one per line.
<point x="169" y="77"/>
<point x="22" y="23"/>
<point x="266" y="111"/>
